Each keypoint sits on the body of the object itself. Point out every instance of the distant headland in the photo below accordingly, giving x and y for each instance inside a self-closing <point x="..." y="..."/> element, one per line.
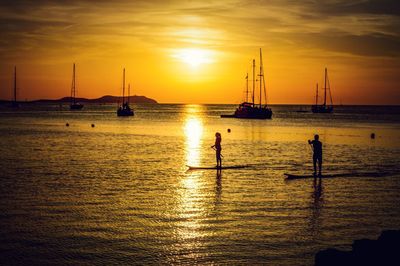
<point x="103" y="99"/>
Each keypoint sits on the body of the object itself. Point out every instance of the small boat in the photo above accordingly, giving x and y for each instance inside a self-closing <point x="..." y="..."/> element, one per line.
<point x="74" y="105"/>
<point x="124" y="109"/>
<point x="252" y="110"/>
<point x="323" y="108"/>
<point x="14" y="102"/>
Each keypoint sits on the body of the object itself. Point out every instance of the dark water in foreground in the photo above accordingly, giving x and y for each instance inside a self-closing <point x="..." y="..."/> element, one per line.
<point x="119" y="193"/>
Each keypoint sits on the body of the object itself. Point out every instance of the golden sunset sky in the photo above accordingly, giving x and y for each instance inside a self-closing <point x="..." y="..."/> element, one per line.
<point x="200" y="51"/>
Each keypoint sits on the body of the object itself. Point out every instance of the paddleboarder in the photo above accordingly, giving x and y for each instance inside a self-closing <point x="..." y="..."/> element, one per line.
<point x="317" y="153"/>
<point x="217" y="147"/>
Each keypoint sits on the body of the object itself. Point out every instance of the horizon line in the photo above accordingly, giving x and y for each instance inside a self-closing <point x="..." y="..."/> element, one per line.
<point x="194" y="103"/>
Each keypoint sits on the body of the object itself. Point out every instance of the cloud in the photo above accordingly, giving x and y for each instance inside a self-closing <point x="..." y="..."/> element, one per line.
<point x="359" y="27"/>
<point x="363" y="45"/>
<point x="383" y="7"/>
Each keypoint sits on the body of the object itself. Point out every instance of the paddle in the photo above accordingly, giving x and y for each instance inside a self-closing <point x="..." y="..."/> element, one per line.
<point x="215" y="150"/>
<point x="311" y="147"/>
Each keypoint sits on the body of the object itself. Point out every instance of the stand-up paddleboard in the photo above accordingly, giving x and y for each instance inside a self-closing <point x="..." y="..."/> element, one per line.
<point x="300" y="176"/>
<point x="356" y="174"/>
<point x="216" y="168"/>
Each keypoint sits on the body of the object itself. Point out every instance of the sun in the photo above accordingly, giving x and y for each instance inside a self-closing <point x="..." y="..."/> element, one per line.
<point x="194" y="57"/>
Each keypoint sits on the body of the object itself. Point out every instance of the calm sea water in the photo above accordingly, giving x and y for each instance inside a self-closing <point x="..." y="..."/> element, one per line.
<point x="120" y="192"/>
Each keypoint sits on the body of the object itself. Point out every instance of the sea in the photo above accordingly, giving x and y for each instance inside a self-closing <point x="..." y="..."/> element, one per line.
<point x="90" y="188"/>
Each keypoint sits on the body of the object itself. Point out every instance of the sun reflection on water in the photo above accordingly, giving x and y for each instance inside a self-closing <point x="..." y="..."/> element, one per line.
<point x="191" y="207"/>
<point x="193" y="129"/>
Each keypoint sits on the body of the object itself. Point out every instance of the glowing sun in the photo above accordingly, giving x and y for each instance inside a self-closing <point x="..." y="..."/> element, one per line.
<point x="194" y="57"/>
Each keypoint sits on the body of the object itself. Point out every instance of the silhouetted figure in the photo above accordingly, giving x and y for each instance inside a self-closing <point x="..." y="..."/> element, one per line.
<point x="217" y="147"/>
<point x="317" y="153"/>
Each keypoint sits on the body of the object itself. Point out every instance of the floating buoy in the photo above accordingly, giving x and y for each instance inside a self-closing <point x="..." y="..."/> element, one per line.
<point x="229" y="130"/>
<point x="92" y="125"/>
<point x="372" y="135"/>
<point x="67" y="125"/>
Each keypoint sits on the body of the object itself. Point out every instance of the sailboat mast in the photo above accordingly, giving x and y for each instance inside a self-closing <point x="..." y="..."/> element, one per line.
<point x="254" y="78"/>
<point x="330" y="93"/>
<point x="261" y="77"/>
<point x="247" y="87"/>
<point x="129" y="92"/>
<point x="325" y="89"/>
<point x="123" y="87"/>
<point x="316" y="96"/>
<point x="73" y="84"/>
<point x="15" y="84"/>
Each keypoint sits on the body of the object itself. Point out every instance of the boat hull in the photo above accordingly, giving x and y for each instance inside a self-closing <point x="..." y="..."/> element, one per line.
<point x="125" y="112"/>
<point x="76" y="106"/>
<point x="323" y="109"/>
<point x="250" y="112"/>
<point x="254" y="113"/>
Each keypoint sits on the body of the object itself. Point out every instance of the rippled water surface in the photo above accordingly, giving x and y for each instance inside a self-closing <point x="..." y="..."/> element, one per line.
<point x="120" y="192"/>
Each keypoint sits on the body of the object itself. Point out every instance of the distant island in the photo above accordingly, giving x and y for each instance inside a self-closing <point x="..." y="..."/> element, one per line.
<point x="103" y="99"/>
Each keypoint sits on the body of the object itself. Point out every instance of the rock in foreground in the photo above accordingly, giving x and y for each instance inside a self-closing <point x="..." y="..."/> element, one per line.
<point x="383" y="251"/>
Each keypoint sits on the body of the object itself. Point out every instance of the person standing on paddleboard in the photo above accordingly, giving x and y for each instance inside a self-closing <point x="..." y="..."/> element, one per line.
<point x="317" y="153"/>
<point x="217" y="147"/>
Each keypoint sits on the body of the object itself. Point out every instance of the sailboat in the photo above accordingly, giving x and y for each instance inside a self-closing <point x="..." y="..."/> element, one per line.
<point x="252" y="110"/>
<point x="74" y="105"/>
<point x="14" y="103"/>
<point x="323" y="108"/>
<point x="124" y="109"/>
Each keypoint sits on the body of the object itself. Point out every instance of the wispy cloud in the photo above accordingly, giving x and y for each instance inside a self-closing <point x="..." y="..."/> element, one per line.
<point x="55" y="31"/>
<point x="331" y="25"/>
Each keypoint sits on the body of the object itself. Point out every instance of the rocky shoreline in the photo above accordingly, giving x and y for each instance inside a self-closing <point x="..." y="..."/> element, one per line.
<point x="383" y="251"/>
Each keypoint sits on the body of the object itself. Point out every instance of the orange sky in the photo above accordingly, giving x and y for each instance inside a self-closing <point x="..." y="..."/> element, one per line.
<point x="200" y="51"/>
